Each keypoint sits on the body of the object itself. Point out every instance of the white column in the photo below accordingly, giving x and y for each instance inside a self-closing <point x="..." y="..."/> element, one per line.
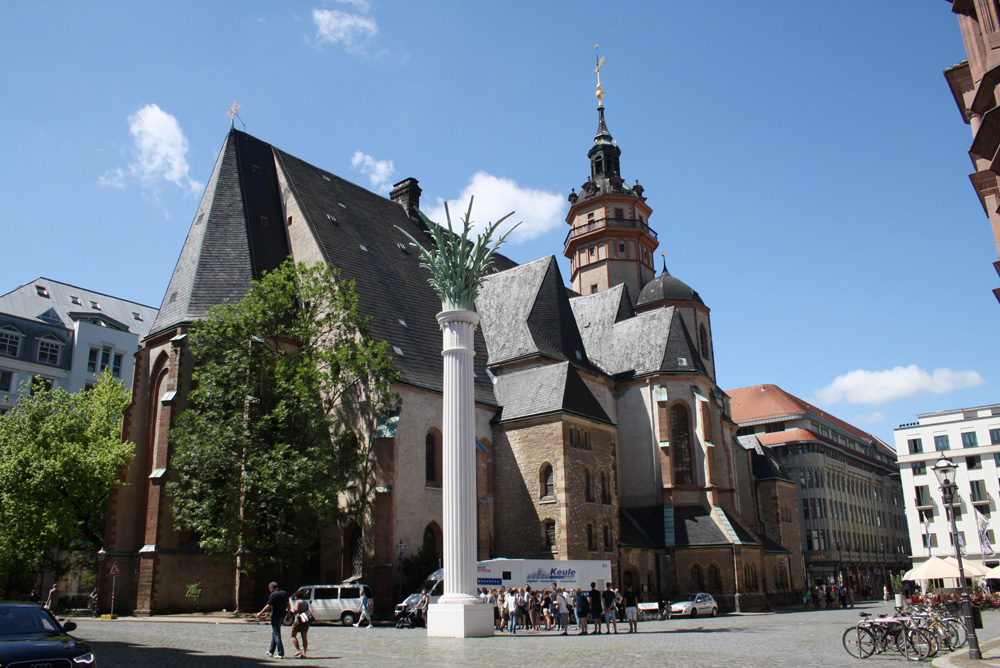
<point x="459" y="612"/>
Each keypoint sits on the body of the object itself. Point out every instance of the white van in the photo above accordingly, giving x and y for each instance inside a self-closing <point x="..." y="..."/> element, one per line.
<point x="335" y="603"/>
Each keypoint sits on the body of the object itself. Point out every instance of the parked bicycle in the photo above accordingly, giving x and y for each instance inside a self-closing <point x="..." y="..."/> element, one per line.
<point x="875" y="636"/>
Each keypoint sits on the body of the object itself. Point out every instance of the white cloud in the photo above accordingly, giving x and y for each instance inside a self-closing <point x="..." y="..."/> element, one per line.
<point x="538" y="211"/>
<point x="379" y="172"/>
<point x="869" y="418"/>
<point x="874" y="388"/>
<point x="354" y="31"/>
<point x="159" y="153"/>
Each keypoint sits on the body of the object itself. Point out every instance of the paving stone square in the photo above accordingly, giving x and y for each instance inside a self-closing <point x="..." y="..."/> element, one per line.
<point x="792" y="639"/>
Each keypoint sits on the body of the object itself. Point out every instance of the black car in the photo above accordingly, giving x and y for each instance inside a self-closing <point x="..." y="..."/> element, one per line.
<point x="30" y="636"/>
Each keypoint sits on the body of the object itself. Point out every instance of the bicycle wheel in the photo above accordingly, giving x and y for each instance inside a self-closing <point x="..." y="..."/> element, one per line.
<point x="859" y="642"/>
<point x="917" y="644"/>
<point x="961" y="635"/>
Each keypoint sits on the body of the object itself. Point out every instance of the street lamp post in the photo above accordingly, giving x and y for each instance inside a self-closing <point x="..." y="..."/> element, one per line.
<point x="101" y="555"/>
<point x="945" y="472"/>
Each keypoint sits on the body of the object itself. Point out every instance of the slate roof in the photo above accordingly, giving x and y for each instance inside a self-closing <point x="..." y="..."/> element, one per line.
<point x="695" y="526"/>
<point x="666" y="288"/>
<point x="546" y="389"/>
<point x="526" y="312"/>
<point x="642" y="527"/>
<point x="26" y="302"/>
<point x="239" y="233"/>
<point x="621" y="341"/>
<point x="763" y="462"/>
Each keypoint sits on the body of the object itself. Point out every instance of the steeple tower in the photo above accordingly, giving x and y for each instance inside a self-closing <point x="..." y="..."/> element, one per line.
<point x="609" y="240"/>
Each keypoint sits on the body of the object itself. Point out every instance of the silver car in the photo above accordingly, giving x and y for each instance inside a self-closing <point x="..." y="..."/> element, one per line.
<point x="335" y="603"/>
<point x="695" y="604"/>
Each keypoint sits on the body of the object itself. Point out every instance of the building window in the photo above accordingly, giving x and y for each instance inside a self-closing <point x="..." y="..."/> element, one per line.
<point x="916" y="446"/>
<point x="941" y="442"/>
<point x="714" y="580"/>
<point x="548" y="481"/>
<point x="10" y="342"/>
<point x="919" y="468"/>
<point x="48" y="351"/>
<point x="973" y="462"/>
<point x="6" y="380"/>
<point x="591" y="251"/>
<point x="969" y="439"/>
<point x="978" y="488"/>
<point x="550" y="536"/>
<point x="994" y="436"/>
<point x="590" y="538"/>
<point x="605" y="489"/>
<point x="607" y="538"/>
<point x="703" y="347"/>
<point x="432" y="461"/>
<point x="621" y="248"/>
<point x="593" y="289"/>
<point x="101" y="358"/>
<point x="680" y="445"/>
<point x="588" y="486"/>
<point x="923" y="497"/>
<point x="41" y="382"/>
<point x="697" y="583"/>
<point x="774" y="427"/>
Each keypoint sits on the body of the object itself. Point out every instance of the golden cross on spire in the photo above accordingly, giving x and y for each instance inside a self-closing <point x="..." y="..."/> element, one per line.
<point x="597" y="71"/>
<point x="232" y="114"/>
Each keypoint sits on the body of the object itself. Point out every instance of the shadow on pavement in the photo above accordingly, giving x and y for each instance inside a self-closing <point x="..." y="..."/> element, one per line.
<point x="123" y="654"/>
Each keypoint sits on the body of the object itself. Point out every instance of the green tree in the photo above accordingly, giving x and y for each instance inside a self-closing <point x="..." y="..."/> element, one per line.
<point x="60" y="455"/>
<point x="287" y="389"/>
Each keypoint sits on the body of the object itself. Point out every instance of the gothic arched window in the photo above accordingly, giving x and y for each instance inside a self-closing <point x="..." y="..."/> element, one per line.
<point x="703" y="346"/>
<point x="680" y="445"/>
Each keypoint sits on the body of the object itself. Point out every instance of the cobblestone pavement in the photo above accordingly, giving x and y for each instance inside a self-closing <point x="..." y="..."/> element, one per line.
<point x="795" y="639"/>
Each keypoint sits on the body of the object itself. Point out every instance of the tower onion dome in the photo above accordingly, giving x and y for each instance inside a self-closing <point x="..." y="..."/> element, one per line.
<point x="666" y="288"/>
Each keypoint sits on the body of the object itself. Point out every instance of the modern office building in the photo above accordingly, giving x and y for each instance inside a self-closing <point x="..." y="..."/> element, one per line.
<point x="66" y="335"/>
<point x="970" y="438"/>
<point x="973" y="84"/>
<point x="850" y="500"/>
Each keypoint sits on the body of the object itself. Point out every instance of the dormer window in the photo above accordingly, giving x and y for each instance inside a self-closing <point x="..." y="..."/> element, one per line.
<point x="50" y="316"/>
<point x="10" y="342"/>
<point x="42" y="292"/>
<point x="49" y="349"/>
<point x="75" y="300"/>
<point x="94" y="305"/>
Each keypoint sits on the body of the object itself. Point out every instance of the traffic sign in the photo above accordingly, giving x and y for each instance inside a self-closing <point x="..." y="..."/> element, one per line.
<point x="114" y="569"/>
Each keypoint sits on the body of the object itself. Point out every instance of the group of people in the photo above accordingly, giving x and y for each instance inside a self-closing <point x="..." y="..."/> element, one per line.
<point x="556" y="609"/>
<point x="827" y="596"/>
<point x="279" y="604"/>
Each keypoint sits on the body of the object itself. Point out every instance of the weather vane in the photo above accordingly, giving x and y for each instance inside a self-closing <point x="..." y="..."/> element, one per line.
<point x="232" y="114"/>
<point x="597" y="71"/>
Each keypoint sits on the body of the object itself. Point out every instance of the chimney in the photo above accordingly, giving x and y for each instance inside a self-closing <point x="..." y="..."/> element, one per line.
<point x="406" y="193"/>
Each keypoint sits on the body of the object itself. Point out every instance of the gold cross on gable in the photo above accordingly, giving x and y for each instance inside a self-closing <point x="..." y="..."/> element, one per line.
<point x="597" y="71"/>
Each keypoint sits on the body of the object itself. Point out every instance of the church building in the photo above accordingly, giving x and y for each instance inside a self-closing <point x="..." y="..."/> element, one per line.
<point x="601" y="432"/>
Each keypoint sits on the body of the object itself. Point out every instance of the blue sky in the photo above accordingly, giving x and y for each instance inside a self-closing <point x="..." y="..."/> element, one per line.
<point x="805" y="162"/>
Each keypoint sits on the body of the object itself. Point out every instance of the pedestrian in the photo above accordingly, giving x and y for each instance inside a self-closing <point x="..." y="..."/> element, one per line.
<point x="562" y="609"/>
<point x="52" y="600"/>
<point x="596" y="607"/>
<point x="631" y="609"/>
<point x="582" y="607"/>
<point x="301" y="620"/>
<point x="34" y="597"/>
<point x="513" y="604"/>
<point x="609" y="600"/>
<point x="364" y="613"/>
<point x="92" y="602"/>
<point x="420" y="612"/>
<point x="547" y="609"/>
<point x="277" y="604"/>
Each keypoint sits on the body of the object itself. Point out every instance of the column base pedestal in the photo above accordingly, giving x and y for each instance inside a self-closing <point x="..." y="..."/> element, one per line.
<point x="454" y="620"/>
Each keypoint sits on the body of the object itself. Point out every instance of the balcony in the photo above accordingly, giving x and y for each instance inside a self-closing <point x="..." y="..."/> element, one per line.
<point x="601" y="223"/>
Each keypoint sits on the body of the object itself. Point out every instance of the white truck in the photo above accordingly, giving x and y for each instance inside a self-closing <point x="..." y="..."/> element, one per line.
<point x="539" y="573"/>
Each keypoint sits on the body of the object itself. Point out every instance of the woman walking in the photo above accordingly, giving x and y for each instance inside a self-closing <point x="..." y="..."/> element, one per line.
<point x="301" y="620"/>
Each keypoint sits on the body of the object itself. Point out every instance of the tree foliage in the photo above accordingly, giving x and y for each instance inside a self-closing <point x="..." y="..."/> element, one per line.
<point x="60" y="454"/>
<point x="287" y="387"/>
